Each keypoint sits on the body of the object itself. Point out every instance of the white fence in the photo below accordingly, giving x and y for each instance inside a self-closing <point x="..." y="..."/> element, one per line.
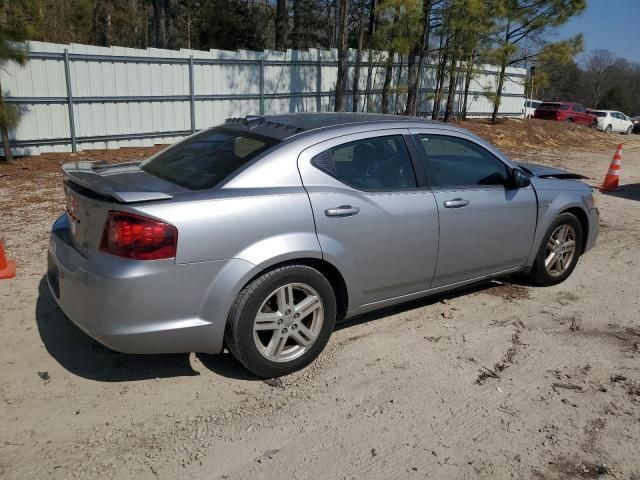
<point x="76" y="97"/>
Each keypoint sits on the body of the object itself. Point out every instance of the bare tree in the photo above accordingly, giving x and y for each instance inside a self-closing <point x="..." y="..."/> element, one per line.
<point x="282" y="24"/>
<point x="343" y="67"/>
<point x="160" y="23"/>
<point x="599" y="74"/>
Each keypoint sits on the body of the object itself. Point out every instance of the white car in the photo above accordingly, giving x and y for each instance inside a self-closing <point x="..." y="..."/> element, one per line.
<point x="612" y="121"/>
<point x="529" y="108"/>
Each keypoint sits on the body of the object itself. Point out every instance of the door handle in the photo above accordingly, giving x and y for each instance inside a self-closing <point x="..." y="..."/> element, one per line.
<point x="341" y="211"/>
<point x="456" y="203"/>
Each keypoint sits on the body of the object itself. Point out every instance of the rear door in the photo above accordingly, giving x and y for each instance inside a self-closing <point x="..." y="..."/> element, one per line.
<point x="485" y="227"/>
<point x="373" y="221"/>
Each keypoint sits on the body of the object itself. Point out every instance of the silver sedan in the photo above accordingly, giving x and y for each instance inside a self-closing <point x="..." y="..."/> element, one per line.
<point x="257" y="235"/>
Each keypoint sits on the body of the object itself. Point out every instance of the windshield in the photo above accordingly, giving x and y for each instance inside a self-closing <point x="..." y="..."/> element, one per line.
<point x="204" y="160"/>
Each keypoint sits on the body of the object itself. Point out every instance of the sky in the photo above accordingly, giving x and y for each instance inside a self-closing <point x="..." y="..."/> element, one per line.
<point x="609" y="24"/>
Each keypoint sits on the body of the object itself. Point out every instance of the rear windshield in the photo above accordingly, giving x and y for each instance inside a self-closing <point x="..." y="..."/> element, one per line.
<point x="553" y="106"/>
<point x="599" y="114"/>
<point x="204" y="160"/>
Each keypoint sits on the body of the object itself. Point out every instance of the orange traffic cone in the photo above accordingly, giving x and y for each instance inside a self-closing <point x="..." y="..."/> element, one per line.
<point x="610" y="183"/>
<point x="7" y="267"/>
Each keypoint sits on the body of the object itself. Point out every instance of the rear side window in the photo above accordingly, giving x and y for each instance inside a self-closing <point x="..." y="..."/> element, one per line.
<point x="600" y="114"/>
<point x="204" y="160"/>
<point x="379" y="163"/>
<point x="578" y="108"/>
<point x="456" y="162"/>
<point x="553" y="106"/>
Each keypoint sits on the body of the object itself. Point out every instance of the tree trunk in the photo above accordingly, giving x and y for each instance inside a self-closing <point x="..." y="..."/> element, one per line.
<point x="451" y="92"/>
<point x="369" y="100"/>
<point x="343" y="67"/>
<point x="415" y="70"/>
<point x="356" y="72"/>
<point x="373" y="18"/>
<point x="102" y="23"/>
<point x="173" y="29"/>
<point x="503" y="69"/>
<point x="4" y="133"/>
<point x="439" y="84"/>
<point x="467" y="85"/>
<point x="282" y="25"/>
<point x="160" y="22"/>
<point x="412" y="82"/>
<point x="442" y="63"/>
<point x="297" y="30"/>
<point x="453" y="80"/>
<point x="388" y="74"/>
<point x="496" y="103"/>
<point x="6" y="145"/>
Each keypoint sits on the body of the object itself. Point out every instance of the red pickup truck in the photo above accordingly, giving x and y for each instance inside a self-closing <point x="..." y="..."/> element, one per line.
<point x="565" y="112"/>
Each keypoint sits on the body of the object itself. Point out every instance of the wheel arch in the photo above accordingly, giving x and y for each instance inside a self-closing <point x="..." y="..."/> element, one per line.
<point x="583" y="218"/>
<point x="327" y="269"/>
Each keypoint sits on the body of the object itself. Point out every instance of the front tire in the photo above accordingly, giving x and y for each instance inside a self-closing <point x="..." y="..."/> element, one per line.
<point x="281" y="321"/>
<point x="629" y="130"/>
<point x="608" y="129"/>
<point x="559" y="252"/>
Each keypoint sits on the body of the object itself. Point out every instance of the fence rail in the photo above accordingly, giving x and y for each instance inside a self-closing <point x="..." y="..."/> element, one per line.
<point x="304" y="79"/>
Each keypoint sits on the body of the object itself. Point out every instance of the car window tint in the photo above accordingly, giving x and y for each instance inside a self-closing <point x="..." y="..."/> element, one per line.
<point x="456" y="162"/>
<point x="578" y="108"/>
<point x="205" y="159"/>
<point x="379" y="163"/>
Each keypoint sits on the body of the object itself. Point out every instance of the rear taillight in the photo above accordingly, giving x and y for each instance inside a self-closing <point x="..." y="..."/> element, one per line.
<point x="140" y="238"/>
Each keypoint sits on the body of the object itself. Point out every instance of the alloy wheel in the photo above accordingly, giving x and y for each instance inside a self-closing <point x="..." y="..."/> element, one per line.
<point x="560" y="251"/>
<point x="288" y="322"/>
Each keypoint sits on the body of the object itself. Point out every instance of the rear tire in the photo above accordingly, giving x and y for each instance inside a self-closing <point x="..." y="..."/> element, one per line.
<point x="281" y="321"/>
<point x="548" y="269"/>
<point x="608" y="129"/>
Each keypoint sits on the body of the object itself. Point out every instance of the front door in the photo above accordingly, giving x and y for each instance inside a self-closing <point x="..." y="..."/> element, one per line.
<point x="485" y="227"/>
<point x="373" y="222"/>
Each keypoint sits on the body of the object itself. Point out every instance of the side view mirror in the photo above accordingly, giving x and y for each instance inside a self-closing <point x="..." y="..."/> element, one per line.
<point x="519" y="179"/>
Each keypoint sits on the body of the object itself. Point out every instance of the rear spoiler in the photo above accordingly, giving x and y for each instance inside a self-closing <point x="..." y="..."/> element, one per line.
<point x="94" y="176"/>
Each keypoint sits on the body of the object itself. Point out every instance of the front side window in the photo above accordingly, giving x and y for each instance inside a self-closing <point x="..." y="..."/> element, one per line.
<point x="378" y="163"/>
<point x="456" y="162"/>
<point x="204" y="160"/>
<point x="578" y="108"/>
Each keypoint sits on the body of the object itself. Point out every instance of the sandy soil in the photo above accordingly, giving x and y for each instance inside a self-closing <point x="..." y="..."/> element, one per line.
<point x="499" y="381"/>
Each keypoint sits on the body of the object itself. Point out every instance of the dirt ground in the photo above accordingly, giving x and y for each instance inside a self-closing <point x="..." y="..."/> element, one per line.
<point x="499" y="381"/>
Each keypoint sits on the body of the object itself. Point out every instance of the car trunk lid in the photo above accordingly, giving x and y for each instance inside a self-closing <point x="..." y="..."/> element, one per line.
<point x="92" y="189"/>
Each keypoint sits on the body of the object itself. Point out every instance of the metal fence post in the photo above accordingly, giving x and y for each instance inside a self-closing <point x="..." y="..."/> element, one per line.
<point x="262" y="85"/>
<point x="72" y="122"/>
<point x="319" y="84"/>
<point x="192" y="99"/>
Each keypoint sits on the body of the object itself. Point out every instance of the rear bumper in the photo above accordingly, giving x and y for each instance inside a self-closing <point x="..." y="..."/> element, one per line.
<point x="594" y="229"/>
<point x="142" y="306"/>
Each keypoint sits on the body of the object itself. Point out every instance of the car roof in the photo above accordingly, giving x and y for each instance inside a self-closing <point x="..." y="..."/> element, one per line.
<point x="285" y="126"/>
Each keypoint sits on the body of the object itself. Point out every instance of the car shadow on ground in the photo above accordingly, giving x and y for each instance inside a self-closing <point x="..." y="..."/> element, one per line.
<point x="630" y="192"/>
<point x="81" y="355"/>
